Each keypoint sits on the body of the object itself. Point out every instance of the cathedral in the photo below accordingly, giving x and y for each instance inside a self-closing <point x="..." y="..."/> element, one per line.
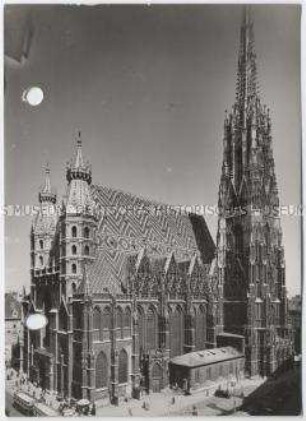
<point x="128" y="284"/>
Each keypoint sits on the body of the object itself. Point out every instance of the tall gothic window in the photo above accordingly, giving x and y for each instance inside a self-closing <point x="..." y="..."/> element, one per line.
<point x="41" y="260"/>
<point x="63" y="318"/>
<point x="200" y="328"/>
<point x="106" y="322"/>
<point x="176" y="332"/>
<point x="119" y="322"/>
<point x="86" y="232"/>
<point x="74" y="268"/>
<point x="86" y="251"/>
<point x="97" y="324"/>
<point x="151" y="329"/>
<point x="238" y="238"/>
<point x="123" y="367"/>
<point x="127" y="322"/>
<point x="41" y="244"/>
<point x="74" y="231"/>
<point x="101" y="371"/>
<point x="141" y="327"/>
<point x="73" y="249"/>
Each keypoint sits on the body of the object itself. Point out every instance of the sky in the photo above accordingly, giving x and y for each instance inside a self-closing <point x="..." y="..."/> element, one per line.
<point x="148" y="87"/>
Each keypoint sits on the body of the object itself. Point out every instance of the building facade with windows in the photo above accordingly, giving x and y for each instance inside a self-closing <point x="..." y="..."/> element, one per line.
<point x="203" y="369"/>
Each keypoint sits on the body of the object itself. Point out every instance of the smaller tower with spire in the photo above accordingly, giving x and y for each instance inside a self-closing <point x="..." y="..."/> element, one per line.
<point x="44" y="225"/>
<point x="77" y="222"/>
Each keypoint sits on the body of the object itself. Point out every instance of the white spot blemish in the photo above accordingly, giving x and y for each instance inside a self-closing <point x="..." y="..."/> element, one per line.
<point x="33" y="96"/>
<point x="36" y="321"/>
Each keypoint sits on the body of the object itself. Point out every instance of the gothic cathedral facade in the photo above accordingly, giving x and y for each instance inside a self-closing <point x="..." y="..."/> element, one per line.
<point x="127" y="284"/>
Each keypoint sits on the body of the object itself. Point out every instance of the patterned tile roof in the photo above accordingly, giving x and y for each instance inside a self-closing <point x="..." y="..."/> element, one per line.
<point x="128" y="224"/>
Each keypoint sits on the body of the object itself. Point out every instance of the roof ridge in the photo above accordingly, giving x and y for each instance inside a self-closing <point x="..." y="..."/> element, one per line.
<point x="146" y="199"/>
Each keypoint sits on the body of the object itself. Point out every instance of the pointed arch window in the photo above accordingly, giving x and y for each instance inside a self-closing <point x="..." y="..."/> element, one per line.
<point x="151" y="329"/>
<point x="141" y="328"/>
<point x="74" y="268"/>
<point x="119" y="319"/>
<point x="86" y="232"/>
<point x="63" y="318"/>
<point x="97" y="324"/>
<point x="41" y="244"/>
<point x="106" y="323"/>
<point x="74" y="249"/>
<point x="74" y="231"/>
<point x="86" y="251"/>
<point x="176" y="332"/>
<point x="41" y="260"/>
<point x="127" y="322"/>
<point x="101" y="371"/>
<point x="123" y="367"/>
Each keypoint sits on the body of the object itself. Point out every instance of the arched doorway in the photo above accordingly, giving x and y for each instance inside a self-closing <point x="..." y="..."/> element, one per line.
<point x="157" y="378"/>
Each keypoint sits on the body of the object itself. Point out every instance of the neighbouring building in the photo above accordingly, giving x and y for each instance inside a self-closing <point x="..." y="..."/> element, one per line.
<point x="129" y="285"/>
<point x="13" y="328"/>
<point x="205" y="369"/>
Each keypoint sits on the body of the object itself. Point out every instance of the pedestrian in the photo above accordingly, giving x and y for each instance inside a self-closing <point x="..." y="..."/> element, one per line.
<point x="194" y="410"/>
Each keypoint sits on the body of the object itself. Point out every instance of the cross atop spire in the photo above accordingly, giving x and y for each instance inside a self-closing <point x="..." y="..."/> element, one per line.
<point x="46" y="193"/>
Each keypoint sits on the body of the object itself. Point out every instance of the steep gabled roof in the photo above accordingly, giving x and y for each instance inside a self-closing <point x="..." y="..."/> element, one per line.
<point x="128" y="223"/>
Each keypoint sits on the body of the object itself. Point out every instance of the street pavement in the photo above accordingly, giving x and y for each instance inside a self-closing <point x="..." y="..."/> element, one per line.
<point x="162" y="404"/>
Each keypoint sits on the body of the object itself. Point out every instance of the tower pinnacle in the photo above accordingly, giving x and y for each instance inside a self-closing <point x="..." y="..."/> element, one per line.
<point x="47" y="194"/>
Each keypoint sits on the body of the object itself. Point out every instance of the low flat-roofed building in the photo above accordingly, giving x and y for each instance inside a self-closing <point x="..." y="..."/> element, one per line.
<point x="206" y="368"/>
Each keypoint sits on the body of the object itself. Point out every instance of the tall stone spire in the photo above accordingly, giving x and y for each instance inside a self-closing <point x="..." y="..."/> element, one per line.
<point x="250" y="255"/>
<point x="246" y="89"/>
<point x="47" y="194"/>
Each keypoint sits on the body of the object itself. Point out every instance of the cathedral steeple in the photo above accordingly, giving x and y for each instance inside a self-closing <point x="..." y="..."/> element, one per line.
<point x="248" y="229"/>
<point x="47" y="194"/>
